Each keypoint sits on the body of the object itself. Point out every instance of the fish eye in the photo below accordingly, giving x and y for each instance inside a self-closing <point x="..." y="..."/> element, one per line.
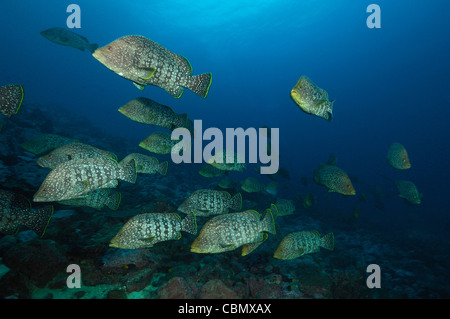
<point x="109" y="48"/>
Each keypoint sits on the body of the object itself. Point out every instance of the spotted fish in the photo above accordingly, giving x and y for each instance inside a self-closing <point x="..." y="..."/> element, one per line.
<point x="230" y="231"/>
<point x="252" y="185"/>
<point x="408" y="191"/>
<point x="207" y="202"/>
<point x="146" y="111"/>
<point x="75" y="179"/>
<point x="144" y="62"/>
<point x="227" y="161"/>
<point x="210" y="171"/>
<point x="146" y="164"/>
<point x="11" y="98"/>
<point x="46" y="142"/>
<point x="397" y="156"/>
<point x="227" y="182"/>
<point x="63" y="36"/>
<point x="15" y="211"/>
<point x="285" y="207"/>
<point x="312" y="99"/>
<point x="96" y="199"/>
<point x="72" y="151"/>
<point x="297" y="244"/>
<point x="334" y="178"/>
<point x="145" y="230"/>
<point x="161" y="143"/>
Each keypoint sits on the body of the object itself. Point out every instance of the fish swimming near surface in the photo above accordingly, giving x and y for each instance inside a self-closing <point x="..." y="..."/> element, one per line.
<point x="68" y="38"/>
<point x="11" y="98"/>
<point x="146" y="164"/>
<point x="408" y="191"/>
<point x="312" y="99"/>
<point x="96" y="199"/>
<point x="16" y="211"/>
<point x="46" y="142"/>
<point x="297" y="244"/>
<point x="75" y="179"/>
<point x="334" y="178"/>
<point x="145" y="62"/>
<point x="72" y="151"/>
<point x="146" y="111"/>
<point x="227" y="232"/>
<point x="147" y="229"/>
<point x="207" y="202"/>
<point x="397" y="156"/>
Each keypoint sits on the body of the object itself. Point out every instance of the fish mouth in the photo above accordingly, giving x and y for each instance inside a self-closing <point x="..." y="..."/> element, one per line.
<point x="113" y="244"/>
<point x="98" y="55"/>
<point x="196" y="250"/>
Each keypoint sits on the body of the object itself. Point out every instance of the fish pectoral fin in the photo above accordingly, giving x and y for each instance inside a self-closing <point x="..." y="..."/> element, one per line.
<point x="81" y="186"/>
<point x="151" y="118"/>
<point x="139" y="86"/>
<point x="147" y="239"/>
<point x="222" y="245"/>
<point x="320" y="104"/>
<point x="147" y="73"/>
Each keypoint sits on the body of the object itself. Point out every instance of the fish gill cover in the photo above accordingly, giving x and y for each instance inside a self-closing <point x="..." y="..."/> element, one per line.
<point x="123" y="211"/>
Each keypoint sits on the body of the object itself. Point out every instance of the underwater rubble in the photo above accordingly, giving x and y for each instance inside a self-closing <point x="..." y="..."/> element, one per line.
<point x="34" y="267"/>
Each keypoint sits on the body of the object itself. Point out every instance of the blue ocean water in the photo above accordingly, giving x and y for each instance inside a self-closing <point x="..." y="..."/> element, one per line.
<point x="390" y="85"/>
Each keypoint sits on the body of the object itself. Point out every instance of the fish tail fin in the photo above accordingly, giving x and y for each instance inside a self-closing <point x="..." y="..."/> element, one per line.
<point x="200" y="84"/>
<point x="189" y="224"/>
<point x="162" y="168"/>
<point x="39" y="220"/>
<point x="92" y="47"/>
<point x="327" y="241"/>
<point x="113" y="201"/>
<point x="128" y="172"/>
<point x="274" y="210"/>
<point x="269" y="222"/>
<point x="236" y="202"/>
<point x="13" y="96"/>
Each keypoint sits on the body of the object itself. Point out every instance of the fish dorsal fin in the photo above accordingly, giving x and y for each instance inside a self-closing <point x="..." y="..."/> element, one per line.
<point x="251" y="214"/>
<point x="315" y="232"/>
<point x="174" y="216"/>
<point x="183" y="63"/>
<point x="139" y="86"/>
